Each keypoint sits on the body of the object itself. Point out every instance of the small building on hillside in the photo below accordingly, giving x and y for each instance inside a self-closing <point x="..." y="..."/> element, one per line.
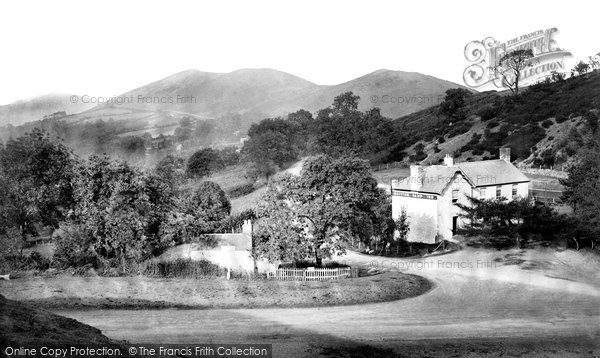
<point x="430" y="194"/>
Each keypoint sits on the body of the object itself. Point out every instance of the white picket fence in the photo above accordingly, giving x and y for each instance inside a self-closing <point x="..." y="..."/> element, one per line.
<point x="313" y="274"/>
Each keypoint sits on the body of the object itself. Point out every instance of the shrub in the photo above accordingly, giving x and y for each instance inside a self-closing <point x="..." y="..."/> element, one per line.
<point x="561" y="118"/>
<point x="488" y="113"/>
<point x="492" y="124"/>
<point x="547" y="123"/>
<point x="308" y="263"/>
<point x="241" y="190"/>
<point x="183" y="268"/>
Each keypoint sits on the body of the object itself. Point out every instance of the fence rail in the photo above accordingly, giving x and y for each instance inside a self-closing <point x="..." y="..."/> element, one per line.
<point x="313" y="274"/>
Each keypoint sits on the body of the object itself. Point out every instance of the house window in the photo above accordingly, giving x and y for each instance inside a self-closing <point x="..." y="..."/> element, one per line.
<point x="498" y="192"/>
<point x="514" y="190"/>
<point x="482" y="193"/>
<point x="455" y="195"/>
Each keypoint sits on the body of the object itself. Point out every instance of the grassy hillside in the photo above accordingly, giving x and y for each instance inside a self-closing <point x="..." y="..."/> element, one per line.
<point x="545" y="125"/>
<point x="34" y="109"/>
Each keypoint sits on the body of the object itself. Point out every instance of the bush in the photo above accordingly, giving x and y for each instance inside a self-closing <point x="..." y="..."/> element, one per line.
<point x="183" y="268"/>
<point x="547" y="123"/>
<point x="307" y="263"/>
<point x="241" y="190"/>
<point x="488" y="113"/>
<point x="34" y="261"/>
<point x="73" y="248"/>
<point x="561" y="118"/>
<point x="492" y="124"/>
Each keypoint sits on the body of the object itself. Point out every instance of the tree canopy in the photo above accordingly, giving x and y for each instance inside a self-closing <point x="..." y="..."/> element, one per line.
<point x="312" y="214"/>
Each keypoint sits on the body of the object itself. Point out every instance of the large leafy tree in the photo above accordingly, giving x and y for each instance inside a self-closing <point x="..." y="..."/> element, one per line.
<point x="204" y="162"/>
<point x="582" y="193"/>
<point x="454" y="103"/>
<point x="172" y="171"/>
<point x="35" y="183"/>
<point x="312" y="214"/>
<point x="271" y="145"/>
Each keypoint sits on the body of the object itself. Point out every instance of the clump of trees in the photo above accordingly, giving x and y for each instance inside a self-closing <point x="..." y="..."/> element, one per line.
<point x="105" y="214"/>
<point x="35" y="185"/>
<point x="338" y="130"/>
<point x="501" y="224"/>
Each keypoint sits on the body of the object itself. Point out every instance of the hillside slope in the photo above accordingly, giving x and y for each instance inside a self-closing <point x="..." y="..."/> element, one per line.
<point x="34" y="109"/>
<point x="270" y="92"/>
<point x="546" y="125"/>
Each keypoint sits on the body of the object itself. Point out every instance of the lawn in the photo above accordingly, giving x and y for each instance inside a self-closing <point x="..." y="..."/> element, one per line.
<point x="65" y="291"/>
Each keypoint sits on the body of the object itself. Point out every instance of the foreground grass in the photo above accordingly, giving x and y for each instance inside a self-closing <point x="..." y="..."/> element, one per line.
<point x="66" y="291"/>
<point x="24" y="325"/>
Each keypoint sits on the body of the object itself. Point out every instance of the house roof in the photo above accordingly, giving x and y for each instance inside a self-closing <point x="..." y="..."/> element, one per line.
<point x="435" y="178"/>
<point x="492" y="172"/>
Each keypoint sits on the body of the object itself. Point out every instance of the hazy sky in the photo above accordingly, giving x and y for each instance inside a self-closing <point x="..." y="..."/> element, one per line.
<point x="109" y="47"/>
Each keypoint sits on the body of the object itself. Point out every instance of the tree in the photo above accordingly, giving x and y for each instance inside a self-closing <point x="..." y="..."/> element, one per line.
<point x="580" y="68"/>
<point x="377" y="222"/>
<point x="345" y="103"/>
<point x="271" y="146"/>
<point x="511" y="65"/>
<point x="454" y="103"/>
<point x="203" y="163"/>
<point x="594" y="62"/>
<point x="184" y="130"/>
<point x="402" y="228"/>
<point x="172" y="170"/>
<point x="319" y="205"/>
<point x="582" y="193"/>
<point x="132" y="145"/>
<point x="279" y="235"/>
<point x="212" y="200"/>
<point x="503" y="223"/>
<point x="35" y="183"/>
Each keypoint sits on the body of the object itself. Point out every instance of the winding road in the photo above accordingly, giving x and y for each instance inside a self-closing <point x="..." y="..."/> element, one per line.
<point x="476" y="296"/>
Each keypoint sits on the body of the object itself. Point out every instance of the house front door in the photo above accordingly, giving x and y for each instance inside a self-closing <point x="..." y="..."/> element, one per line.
<point x="454" y="224"/>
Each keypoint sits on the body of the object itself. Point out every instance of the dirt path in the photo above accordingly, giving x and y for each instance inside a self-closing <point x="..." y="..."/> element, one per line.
<point x="512" y="307"/>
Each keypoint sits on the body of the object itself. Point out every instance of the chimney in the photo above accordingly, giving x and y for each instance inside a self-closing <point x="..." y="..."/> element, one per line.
<point x="505" y="154"/>
<point x="247" y="227"/>
<point x="448" y="160"/>
<point x="415" y="177"/>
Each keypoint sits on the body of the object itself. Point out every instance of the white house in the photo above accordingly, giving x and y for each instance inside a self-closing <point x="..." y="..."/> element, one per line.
<point x="430" y="194"/>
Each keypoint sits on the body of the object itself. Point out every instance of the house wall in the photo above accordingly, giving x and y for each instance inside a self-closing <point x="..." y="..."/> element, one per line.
<point x="225" y="256"/>
<point x="232" y="250"/>
<point x="431" y="220"/>
<point x="447" y="210"/>
<point x="422" y="216"/>
<point x="490" y="191"/>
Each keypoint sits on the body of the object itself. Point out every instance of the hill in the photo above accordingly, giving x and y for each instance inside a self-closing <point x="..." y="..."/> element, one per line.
<point x="36" y="108"/>
<point x="267" y="93"/>
<point x="545" y="125"/>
